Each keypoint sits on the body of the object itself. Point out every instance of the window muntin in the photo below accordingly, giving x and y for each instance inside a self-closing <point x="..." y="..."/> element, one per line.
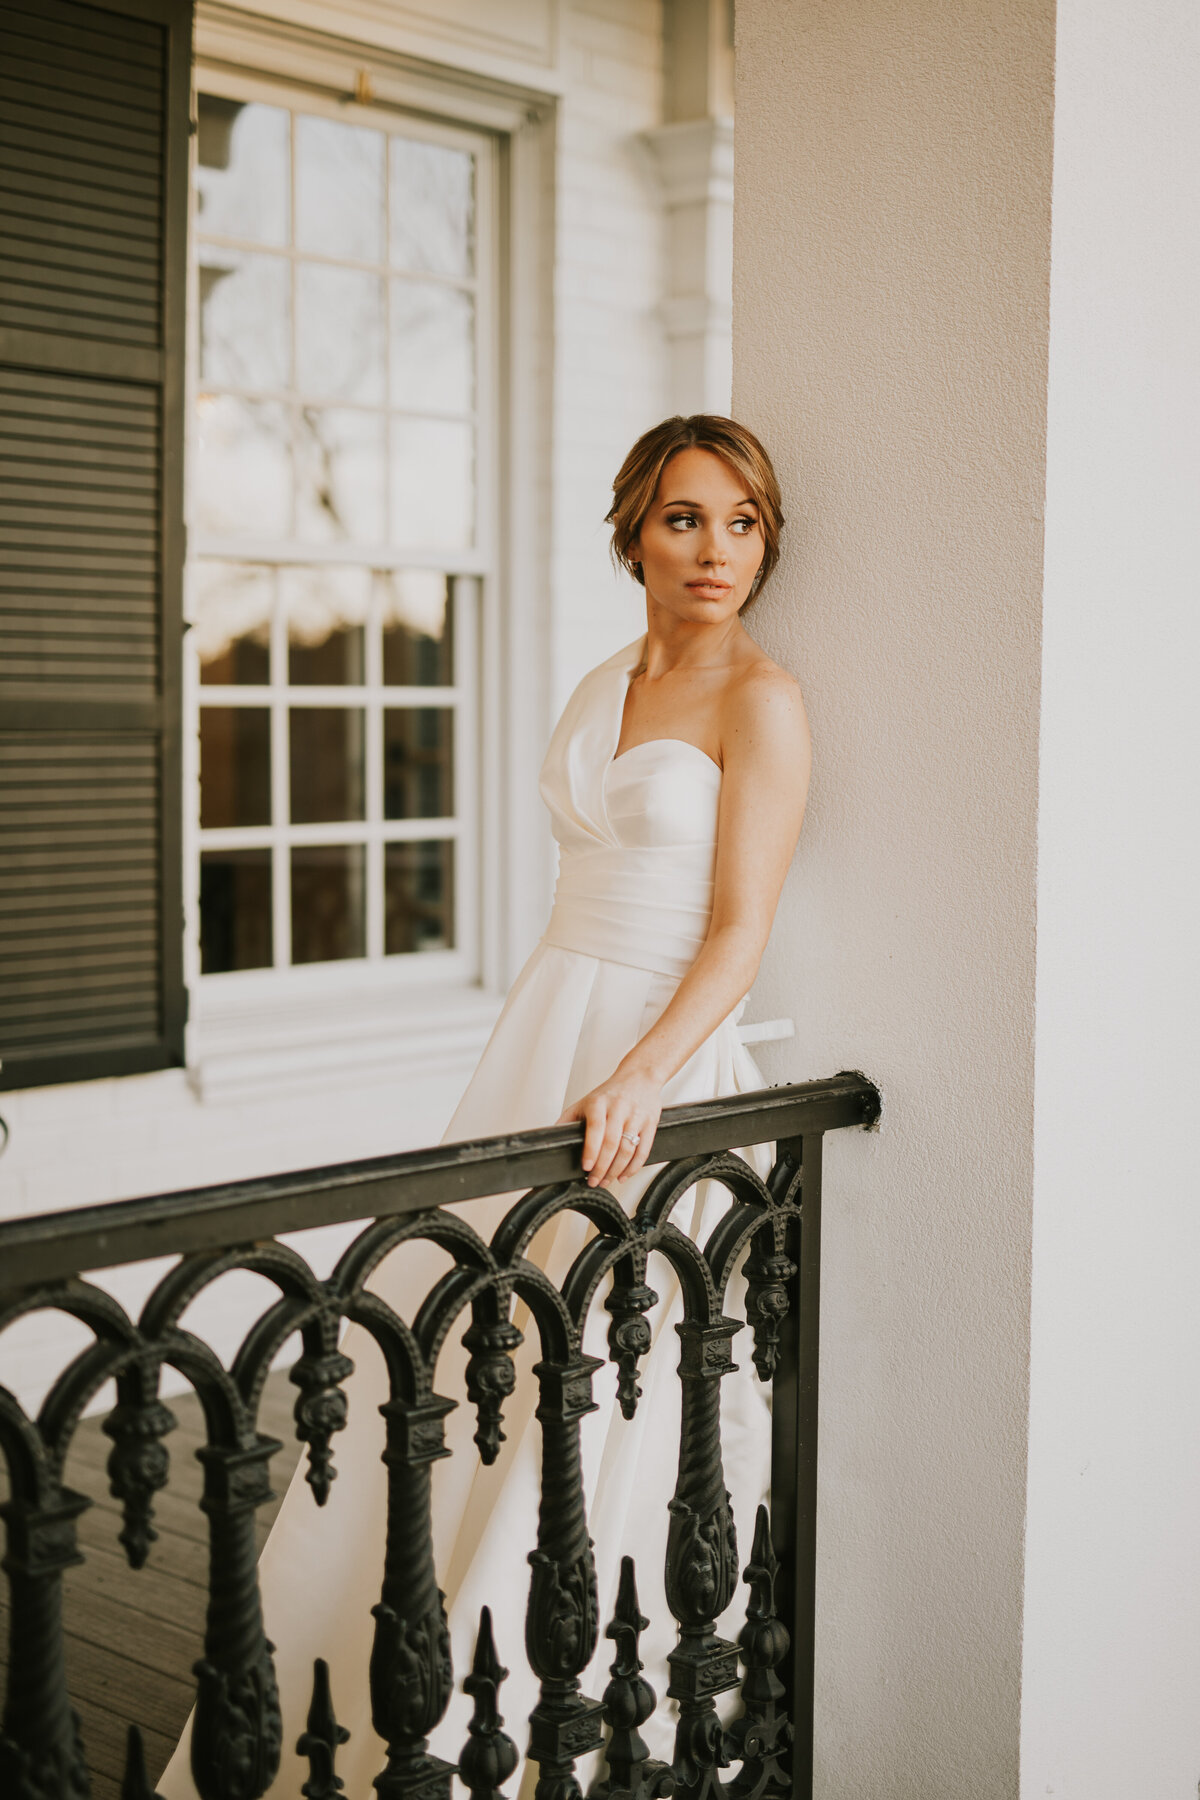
<point x="336" y="535"/>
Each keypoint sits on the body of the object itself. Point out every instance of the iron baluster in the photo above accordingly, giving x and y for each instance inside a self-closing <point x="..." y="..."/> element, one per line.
<point x="762" y="1734"/>
<point x="321" y="1738"/>
<point x="136" y="1784"/>
<point x="629" y="1701"/>
<point x="237" y="1732"/>
<point x="489" y="1755"/>
<point x="411" y="1671"/>
<point x="701" y="1567"/>
<point x="562" y="1621"/>
<point x="41" y="1750"/>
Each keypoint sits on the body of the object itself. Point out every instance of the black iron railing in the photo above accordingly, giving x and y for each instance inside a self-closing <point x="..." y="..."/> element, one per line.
<point x="764" y="1754"/>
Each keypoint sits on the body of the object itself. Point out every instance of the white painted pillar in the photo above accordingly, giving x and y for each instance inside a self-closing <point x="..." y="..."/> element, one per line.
<point x="1004" y="735"/>
<point x="892" y="258"/>
<point x="691" y="155"/>
<point x="694" y="163"/>
<point x="1111" y="1687"/>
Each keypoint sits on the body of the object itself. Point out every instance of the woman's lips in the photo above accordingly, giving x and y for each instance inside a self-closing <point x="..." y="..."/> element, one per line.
<point x="722" y="587"/>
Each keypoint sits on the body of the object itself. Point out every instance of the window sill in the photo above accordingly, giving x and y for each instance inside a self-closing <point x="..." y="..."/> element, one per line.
<point x="333" y="1026"/>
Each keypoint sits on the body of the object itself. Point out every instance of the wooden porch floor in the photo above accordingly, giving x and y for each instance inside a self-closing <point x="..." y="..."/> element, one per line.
<point x="133" y="1635"/>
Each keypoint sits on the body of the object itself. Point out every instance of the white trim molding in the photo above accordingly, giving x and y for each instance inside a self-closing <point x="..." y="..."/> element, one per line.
<point x="246" y="1041"/>
<point x="693" y="166"/>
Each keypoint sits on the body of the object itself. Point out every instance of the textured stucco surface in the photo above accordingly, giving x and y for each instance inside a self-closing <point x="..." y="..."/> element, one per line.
<point x="1112" y="1613"/>
<point x="892" y="247"/>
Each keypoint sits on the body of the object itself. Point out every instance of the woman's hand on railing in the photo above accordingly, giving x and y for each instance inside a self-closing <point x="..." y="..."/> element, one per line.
<point x="621" y="1117"/>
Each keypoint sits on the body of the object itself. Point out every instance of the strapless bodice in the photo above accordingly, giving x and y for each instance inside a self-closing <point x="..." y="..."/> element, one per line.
<point x="664" y="793"/>
<point x="637" y="834"/>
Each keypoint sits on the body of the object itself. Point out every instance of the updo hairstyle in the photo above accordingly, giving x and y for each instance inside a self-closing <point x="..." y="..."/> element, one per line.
<point x="639" y="475"/>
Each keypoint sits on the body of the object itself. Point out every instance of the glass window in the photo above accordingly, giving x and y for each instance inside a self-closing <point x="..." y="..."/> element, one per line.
<point x="334" y="545"/>
<point x="235" y="911"/>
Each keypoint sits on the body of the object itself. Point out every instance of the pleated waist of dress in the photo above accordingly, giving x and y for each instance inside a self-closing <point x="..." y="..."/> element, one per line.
<point x="646" y="908"/>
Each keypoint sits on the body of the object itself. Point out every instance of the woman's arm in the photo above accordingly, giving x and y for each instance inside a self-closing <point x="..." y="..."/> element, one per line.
<point x="767" y="759"/>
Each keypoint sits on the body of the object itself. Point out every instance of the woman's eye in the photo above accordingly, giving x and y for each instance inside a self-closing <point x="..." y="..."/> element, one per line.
<point x="681" y="519"/>
<point x="744" y="526"/>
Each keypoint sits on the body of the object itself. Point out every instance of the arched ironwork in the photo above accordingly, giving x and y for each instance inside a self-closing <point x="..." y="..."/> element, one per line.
<point x="770" y="1229"/>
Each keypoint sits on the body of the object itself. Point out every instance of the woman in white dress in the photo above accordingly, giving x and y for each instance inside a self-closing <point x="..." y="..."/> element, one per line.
<point x="676" y="783"/>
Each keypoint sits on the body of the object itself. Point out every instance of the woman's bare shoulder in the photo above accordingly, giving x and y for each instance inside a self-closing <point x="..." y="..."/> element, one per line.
<point x="763" y="706"/>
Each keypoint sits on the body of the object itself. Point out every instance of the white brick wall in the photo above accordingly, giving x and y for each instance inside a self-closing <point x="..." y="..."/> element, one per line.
<point x="107" y="1140"/>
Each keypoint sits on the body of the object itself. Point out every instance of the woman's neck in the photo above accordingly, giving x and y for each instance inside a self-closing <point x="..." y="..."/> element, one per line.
<point x="675" y="645"/>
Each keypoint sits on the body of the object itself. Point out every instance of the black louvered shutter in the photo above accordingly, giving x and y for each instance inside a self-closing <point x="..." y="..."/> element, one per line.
<point x="94" y="103"/>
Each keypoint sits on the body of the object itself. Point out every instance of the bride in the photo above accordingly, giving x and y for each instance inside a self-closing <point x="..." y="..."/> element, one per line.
<point x="676" y="782"/>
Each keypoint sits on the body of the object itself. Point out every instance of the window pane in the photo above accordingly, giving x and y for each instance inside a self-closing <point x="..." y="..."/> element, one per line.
<point x="245" y="328"/>
<point x="418" y="897"/>
<point x="235" y="910"/>
<point x="341" y="479"/>
<point x="325" y="608"/>
<point x="432" y="491"/>
<point x="418" y="762"/>
<point x="328" y="910"/>
<point x="339" y="334"/>
<point x="339" y="189"/>
<point x="432" y="208"/>
<point x="243" y="481"/>
<point x="418" y="628"/>
<point x="231" y="621"/>
<point x="326" y="760"/>
<point x="235" y="766"/>
<point x="242" y="171"/>
<point x="433" y="348"/>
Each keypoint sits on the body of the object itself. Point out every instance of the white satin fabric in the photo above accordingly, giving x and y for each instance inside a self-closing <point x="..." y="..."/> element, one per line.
<point x="637" y="841"/>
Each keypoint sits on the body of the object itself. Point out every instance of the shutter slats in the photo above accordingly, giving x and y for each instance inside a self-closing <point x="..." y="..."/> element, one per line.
<point x="78" y="810"/>
<point x="25" y="102"/>
<point x="107" y="74"/>
<point x="41" y="265"/>
<point x="64" y="200"/>
<point x="96" y="35"/>
<point x="69" y="154"/>
<point x="74" y="70"/>
<point x="51" y="246"/>
<point x="93" y="198"/>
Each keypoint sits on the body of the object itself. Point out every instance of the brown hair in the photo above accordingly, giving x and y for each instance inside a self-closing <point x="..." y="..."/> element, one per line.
<point x="639" y="475"/>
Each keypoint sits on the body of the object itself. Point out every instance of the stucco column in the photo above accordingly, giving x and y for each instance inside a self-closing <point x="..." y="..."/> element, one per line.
<point x="1111" y="1687"/>
<point x="891" y="278"/>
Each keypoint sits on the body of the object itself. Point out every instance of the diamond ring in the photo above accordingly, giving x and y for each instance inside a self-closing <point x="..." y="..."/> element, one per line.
<point x="635" y="1141"/>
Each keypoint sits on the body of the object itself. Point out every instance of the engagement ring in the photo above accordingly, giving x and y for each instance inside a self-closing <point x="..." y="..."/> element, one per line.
<point x="635" y="1141"/>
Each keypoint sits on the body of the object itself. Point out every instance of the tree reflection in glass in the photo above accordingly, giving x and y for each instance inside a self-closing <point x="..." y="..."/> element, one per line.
<point x="242" y="178"/>
<point x="341" y="479"/>
<point x="417" y="615"/>
<point x="339" y="189"/>
<point x="432" y="348"/>
<point x="339" y="334"/>
<point x="432" y="207"/>
<point x="325" y="608"/>
<point x="243" y="467"/>
<point x="245" y="324"/>
<point x="230" y="607"/>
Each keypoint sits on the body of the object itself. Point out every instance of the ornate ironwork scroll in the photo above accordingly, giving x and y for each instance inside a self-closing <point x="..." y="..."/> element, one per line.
<point x="238" y="1730"/>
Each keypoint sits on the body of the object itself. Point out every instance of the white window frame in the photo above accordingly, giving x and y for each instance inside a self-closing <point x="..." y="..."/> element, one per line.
<point x="292" y="1023"/>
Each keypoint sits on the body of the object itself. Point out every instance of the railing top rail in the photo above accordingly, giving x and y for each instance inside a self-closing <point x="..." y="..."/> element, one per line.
<point x="52" y="1246"/>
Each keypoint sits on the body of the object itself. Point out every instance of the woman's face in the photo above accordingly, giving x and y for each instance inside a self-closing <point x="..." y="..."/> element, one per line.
<point x="701" y="542"/>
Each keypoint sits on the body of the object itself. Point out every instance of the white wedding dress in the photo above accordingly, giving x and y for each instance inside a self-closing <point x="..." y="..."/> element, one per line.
<point x="637" y="842"/>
